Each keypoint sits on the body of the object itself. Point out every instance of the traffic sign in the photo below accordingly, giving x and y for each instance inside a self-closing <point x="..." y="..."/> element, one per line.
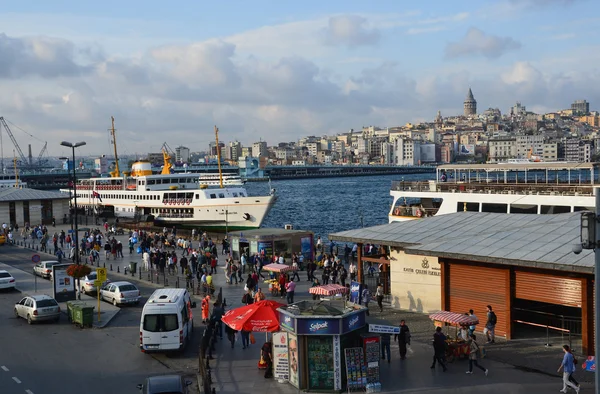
<point x="101" y="274"/>
<point x="36" y="258"/>
<point x="98" y="283"/>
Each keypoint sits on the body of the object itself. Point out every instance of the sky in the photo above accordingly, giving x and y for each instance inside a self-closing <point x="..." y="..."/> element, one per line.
<point x="277" y="71"/>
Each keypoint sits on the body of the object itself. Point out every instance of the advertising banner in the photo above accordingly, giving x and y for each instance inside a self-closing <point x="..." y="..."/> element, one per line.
<point x="318" y="326"/>
<point x="266" y="249"/>
<point x="355" y="290"/>
<point x="383" y="329"/>
<point x="287" y="322"/>
<point x="353" y="322"/>
<point x="63" y="285"/>
<point x="337" y="363"/>
<point x="306" y="248"/>
<point x="293" y="359"/>
<point x="281" y="364"/>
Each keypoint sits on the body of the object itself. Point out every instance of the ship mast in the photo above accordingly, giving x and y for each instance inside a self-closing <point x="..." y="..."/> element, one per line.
<point x="114" y="138"/>
<point x="219" y="157"/>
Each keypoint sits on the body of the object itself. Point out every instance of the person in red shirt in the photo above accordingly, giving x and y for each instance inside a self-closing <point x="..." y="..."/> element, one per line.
<point x="282" y="282"/>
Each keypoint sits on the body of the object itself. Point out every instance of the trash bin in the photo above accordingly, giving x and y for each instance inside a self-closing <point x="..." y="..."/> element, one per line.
<point x="71" y="305"/>
<point x="83" y="315"/>
<point x="132" y="267"/>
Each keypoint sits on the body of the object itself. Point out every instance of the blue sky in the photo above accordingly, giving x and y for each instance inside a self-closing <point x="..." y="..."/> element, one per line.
<point x="168" y="71"/>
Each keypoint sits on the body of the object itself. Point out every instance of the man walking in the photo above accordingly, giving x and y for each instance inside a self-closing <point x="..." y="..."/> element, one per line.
<point x="490" y="325"/>
<point x="366" y="297"/>
<point x="568" y="367"/>
<point x="385" y="347"/>
<point x="439" y="348"/>
<point x="473" y="351"/>
<point x="290" y="287"/>
<point x="403" y="339"/>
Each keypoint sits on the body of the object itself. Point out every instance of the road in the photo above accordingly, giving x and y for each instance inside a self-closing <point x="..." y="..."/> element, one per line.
<point x="60" y="358"/>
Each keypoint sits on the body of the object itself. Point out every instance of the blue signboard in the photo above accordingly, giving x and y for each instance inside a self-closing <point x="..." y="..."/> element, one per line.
<point x="355" y="290"/>
<point x="318" y="326"/>
<point x="306" y="247"/>
<point x="287" y="322"/>
<point x="353" y="322"/>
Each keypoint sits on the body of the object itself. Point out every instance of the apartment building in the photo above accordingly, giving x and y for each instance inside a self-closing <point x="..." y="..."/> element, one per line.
<point x="530" y="145"/>
<point x="406" y="152"/>
<point x="502" y="149"/>
<point x="550" y="151"/>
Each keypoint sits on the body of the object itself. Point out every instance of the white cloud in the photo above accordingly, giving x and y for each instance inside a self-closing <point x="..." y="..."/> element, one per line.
<point x="477" y="42"/>
<point x="350" y="30"/>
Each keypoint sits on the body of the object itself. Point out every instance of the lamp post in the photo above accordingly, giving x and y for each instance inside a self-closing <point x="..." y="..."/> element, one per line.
<point x="76" y="234"/>
<point x="69" y="185"/>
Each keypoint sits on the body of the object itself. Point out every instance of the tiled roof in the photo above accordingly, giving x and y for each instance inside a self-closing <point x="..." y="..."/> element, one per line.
<point x="25" y="194"/>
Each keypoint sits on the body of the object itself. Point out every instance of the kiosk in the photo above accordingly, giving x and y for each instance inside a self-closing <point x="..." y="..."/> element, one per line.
<point x="272" y="241"/>
<point x="317" y="331"/>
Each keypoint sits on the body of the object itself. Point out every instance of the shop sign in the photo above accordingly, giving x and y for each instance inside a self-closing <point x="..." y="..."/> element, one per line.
<point x="337" y="363"/>
<point x="281" y="364"/>
<point x="294" y="360"/>
<point x="355" y="289"/>
<point x="287" y="322"/>
<point x="383" y="329"/>
<point x="353" y="322"/>
<point x="318" y="326"/>
<point x="425" y="269"/>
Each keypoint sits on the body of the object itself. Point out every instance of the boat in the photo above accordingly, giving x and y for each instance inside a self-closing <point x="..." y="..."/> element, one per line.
<point x="173" y="199"/>
<point x="529" y="188"/>
<point x="213" y="179"/>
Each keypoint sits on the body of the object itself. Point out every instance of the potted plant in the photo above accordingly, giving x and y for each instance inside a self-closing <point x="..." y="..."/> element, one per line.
<point x="78" y="271"/>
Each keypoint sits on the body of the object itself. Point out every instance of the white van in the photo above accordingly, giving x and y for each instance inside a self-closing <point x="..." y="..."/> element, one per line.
<point x="167" y="321"/>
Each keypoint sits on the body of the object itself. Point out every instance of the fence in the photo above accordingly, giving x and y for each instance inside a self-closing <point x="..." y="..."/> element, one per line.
<point x="555" y="324"/>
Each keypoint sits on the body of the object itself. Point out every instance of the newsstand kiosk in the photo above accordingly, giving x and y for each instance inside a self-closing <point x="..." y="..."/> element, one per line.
<point x="317" y="331"/>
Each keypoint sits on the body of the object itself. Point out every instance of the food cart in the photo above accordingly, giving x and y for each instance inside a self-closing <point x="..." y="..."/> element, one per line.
<point x="457" y="347"/>
<point x="273" y="283"/>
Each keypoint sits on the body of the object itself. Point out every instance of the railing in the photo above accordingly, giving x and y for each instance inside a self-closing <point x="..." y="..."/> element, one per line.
<point x="569" y="326"/>
<point x="561" y="189"/>
<point x="414" y="211"/>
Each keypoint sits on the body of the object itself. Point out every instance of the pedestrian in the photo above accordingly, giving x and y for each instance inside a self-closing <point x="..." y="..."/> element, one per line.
<point x="568" y="367"/>
<point x="473" y="351"/>
<point x="216" y="316"/>
<point x="366" y="297"/>
<point x="230" y="334"/>
<point x="259" y="296"/>
<point x="352" y="270"/>
<point x="245" y="338"/>
<point x="439" y="348"/>
<point x="403" y="338"/>
<point x="472" y="327"/>
<point x="379" y="296"/>
<point x="295" y="270"/>
<point x="247" y="298"/>
<point x="290" y="287"/>
<point x="266" y="353"/>
<point x="490" y="325"/>
<point x="205" y="308"/>
<point x="385" y="347"/>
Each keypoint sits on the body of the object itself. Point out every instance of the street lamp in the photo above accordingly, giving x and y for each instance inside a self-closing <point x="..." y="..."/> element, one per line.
<point x="76" y="235"/>
<point x="69" y="186"/>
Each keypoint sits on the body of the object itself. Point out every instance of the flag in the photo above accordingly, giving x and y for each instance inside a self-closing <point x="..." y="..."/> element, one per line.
<point x="95" y="194"/>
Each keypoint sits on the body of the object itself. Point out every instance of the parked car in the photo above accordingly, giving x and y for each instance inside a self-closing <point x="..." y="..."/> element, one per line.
<point x="86" y="284"/>
<point x="44" y="269"/>
<point x="6" y="280"/>
<point x="172" y="384"/>
<point x="38" y="308"/>
<point x="120" y="293"/>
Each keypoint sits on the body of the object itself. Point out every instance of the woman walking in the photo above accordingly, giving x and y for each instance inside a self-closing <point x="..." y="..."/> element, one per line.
<point x="379" y="296"/>
<point x="473" y="350"/>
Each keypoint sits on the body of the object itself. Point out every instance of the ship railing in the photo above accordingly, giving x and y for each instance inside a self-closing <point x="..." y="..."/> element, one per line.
<point x="413" y="211"/>
<point x="558" y="189"/>
<point x="176" y="215"/>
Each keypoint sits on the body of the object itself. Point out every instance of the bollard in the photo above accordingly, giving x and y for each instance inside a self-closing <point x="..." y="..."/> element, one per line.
<point x="140" y="272"/>
<point x="165" y="281"/>
<point x="118" y="269"/>
<point x="213" y="391"/>
<point x="207" y="363"/>
<point x="111" y="267"/>
<point x="150" y="275"/>
<point x="177" y="282"/>
<point x="104" y="264"/>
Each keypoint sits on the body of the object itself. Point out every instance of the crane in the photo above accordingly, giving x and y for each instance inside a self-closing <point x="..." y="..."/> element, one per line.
<point x="40" y="161"/>
<point x="26" y="162"/>
<point x="14" y="141"/>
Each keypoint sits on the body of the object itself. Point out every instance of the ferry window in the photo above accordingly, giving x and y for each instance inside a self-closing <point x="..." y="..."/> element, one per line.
<point x="235" y="194"/>
<point x="471" y="207"/>
<point x="551" y="209"/>
<point x="151" y="181"/>
<point x="197" y="196"/>
<point x="242" y="194"/>
<point x="522" y="208"/>
<point x="579" y="209"/>
<point x="221" y="195"/>
<point x="143" y="182"/>
<point x="213" y="196"/>
<point x="497" y="208"/>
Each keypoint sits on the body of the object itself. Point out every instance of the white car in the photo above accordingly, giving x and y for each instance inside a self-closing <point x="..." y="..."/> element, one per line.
<point x="6" y="280"/>
<point x="38" y="308"/>
<point x="120" y="293"/>
<point x="44" y="269"/>
<point x="86" y="284"/>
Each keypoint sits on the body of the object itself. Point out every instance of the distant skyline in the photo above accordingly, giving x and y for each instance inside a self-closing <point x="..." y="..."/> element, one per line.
<point x="170" y="71"/>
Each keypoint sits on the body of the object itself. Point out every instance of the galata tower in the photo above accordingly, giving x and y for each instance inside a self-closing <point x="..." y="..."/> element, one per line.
<point x="470" y="105"/>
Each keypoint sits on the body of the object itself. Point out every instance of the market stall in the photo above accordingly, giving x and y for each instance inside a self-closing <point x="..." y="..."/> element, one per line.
<point x="317" y="333"/>
<point x="457" y="347"/>
<point x="278" y="268"/>
<point x="272" y="241"/>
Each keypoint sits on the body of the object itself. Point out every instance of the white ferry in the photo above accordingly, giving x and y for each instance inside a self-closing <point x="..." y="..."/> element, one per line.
<point x="173" y="199"/>
<point x="534" y="188"/>
<point x="212" y="179"/>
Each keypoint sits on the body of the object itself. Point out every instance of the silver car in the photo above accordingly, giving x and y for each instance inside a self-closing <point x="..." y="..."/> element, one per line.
<point x="86" y="284"/>
<point x="120" y="293"/>
<point x="38" y="308"/>
<point x="44" y="269"/>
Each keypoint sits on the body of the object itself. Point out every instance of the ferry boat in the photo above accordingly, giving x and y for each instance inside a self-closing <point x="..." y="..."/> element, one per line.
<point x="213" y="179"/>
<point x="533" y="188"/>
<point x="173" y="199"/>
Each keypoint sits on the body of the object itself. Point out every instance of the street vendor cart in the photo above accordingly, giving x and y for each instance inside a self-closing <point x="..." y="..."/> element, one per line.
<point x="457" y="345"/>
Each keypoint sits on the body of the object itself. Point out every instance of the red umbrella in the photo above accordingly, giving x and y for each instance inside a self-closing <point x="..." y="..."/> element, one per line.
<point x="261" y="316"/>
<point x="328" y="290"/>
